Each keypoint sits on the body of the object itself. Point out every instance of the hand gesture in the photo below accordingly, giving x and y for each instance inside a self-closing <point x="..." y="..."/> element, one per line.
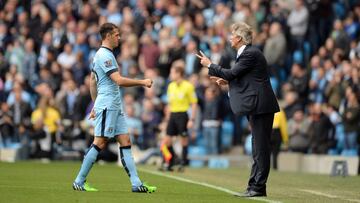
<point x="219" y="81"/>
<point x="148" y="83"/>
<point x="204" y="60"/>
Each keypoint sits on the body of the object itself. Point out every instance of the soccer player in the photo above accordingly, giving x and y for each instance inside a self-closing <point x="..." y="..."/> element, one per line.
<point x="108" y="111"/>
<point x="181" y="96"/>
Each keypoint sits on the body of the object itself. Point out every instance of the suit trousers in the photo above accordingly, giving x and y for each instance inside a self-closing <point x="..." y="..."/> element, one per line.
<point x="261" y="129"/>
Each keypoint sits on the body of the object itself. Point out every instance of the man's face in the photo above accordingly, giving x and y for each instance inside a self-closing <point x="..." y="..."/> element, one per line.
<point x="174" y="75"/>
<point x="115" y="38"/>
<point x="234" y="40"/>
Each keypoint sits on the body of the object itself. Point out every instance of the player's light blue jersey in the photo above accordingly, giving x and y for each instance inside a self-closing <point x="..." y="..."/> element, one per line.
<point x="108" y="92"/>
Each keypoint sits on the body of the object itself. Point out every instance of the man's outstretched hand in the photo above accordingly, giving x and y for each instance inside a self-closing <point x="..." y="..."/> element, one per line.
<point x="204" y="60"/>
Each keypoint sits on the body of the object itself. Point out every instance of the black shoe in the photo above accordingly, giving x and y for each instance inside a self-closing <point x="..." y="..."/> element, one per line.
<point x="253" y="193"/>
<point x="181" y="169"/>
<point x="165" y="168"/>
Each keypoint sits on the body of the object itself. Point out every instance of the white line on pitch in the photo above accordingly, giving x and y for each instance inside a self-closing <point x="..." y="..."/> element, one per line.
<point x="328" y="195"/>
<point x="206" y="185"/>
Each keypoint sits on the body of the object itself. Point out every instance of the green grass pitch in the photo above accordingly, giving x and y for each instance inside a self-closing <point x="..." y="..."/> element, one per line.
<point x="39" y="182"/>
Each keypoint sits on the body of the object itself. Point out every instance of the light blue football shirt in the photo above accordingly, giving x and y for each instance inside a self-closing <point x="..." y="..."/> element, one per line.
<point x="108" y="92"/>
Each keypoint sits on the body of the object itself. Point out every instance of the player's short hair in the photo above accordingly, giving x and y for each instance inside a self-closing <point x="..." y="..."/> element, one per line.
<point x="106" y="28"/>
<point x="242" y="30"/>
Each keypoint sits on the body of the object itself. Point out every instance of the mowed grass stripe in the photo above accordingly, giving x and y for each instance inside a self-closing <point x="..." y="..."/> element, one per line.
<point x="207" y="185"/>
<point x="37" y="182"/>
<point x="328" y="195"/>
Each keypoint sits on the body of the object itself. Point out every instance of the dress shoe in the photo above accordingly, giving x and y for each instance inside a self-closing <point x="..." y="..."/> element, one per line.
<point x="253" y="193"/>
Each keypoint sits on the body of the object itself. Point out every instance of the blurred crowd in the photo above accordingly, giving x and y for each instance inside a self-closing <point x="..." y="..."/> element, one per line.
<point x="46" y="49"/>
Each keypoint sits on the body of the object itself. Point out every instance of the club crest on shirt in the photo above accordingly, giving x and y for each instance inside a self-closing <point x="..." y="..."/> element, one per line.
<point x="110" y="130"/>
<point x="108" y="63"/>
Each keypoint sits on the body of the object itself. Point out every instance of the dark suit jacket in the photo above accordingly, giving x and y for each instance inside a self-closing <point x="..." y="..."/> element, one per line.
<point x="249" y="83"/>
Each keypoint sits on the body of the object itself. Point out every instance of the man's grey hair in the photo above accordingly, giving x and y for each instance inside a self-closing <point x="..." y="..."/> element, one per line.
<point x="242" y="30"/>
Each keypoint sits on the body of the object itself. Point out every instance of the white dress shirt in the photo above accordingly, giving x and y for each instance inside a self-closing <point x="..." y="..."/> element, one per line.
<point x="240" y="51"/>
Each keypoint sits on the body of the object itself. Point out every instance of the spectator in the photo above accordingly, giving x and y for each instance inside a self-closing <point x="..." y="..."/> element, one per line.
<point x="6" y="125"/>
<point x="274" y="50"/>
<point x="46" y="120"/>
<point x="66" y="100"/>
<point x="21" y="111"/>
<point x="341" y="38"/>
<point x="150" y="119"/>
<point x="291" y="103"/>
<point x="164" y="61"/>
<point x="79" y="69"/>
<point x="333" y="90"/>
<point x="298" y="82"/>
<point x="298" y="127"/>
<point x="211" y="120"/>
<point x="317" y="87"/>
<point x="30" y="65"/>
<point x="321" y="131"/>
<point x="192" y="64"/>
<point x="298" y="23"/>
<point x="149" y="53"/>
<point x="67" y="58"/>
<point x="351" y="118"/>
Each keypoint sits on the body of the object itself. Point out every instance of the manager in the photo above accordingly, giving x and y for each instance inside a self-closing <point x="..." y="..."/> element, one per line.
<point x="250" y="94"/>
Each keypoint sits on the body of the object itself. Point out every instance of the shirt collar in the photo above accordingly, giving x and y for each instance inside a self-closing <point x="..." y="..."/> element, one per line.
<point x="240" y="50"/>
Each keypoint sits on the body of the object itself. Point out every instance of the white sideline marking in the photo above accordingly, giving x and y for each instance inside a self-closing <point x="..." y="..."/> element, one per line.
<point x="206" y="185"/>
<point x="328" y="195"/>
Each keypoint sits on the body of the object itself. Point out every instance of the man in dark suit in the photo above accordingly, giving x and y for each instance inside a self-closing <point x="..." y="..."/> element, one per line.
<point x="250" y="94"/>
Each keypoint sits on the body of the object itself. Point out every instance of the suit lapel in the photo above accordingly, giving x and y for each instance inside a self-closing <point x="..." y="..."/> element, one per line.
<point x="237" y="59"/>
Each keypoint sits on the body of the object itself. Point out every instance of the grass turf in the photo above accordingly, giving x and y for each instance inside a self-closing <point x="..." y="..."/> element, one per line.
<point x="37" y="182"/>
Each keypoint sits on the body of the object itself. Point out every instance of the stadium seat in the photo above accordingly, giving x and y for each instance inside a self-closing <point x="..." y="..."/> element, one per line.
<point x="333" y="152"/>
<point x="218" y="163"/>
<point x="196" y="151"/>
<point x="298" y="57"/>
<point x="349" y="152"/>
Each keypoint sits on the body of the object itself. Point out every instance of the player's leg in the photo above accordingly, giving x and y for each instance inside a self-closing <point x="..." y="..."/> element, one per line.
<point x="167" y="148"/>
<point x="89" y="160"/>
<point x="183" y="131"/>
<point x="128" y="163"/>
<point x="127" y="160"/>
<point x="100" y="140"/>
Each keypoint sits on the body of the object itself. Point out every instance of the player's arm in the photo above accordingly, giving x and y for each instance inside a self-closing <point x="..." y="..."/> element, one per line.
<point x="128" y="82"/>
<point x="193" y="111"/>
<point x="93" y="88"/>
<point x="193" y="100"/>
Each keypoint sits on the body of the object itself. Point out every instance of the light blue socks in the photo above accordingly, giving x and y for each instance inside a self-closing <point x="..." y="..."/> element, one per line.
<point x="129" y="165"/>
<point x="88" y="162"/>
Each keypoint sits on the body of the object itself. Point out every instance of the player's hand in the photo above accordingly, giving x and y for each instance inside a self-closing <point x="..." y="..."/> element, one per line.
<point x="204" y="60"/>
<point x="92" y="114"/>
<point x="148" y="83"/>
